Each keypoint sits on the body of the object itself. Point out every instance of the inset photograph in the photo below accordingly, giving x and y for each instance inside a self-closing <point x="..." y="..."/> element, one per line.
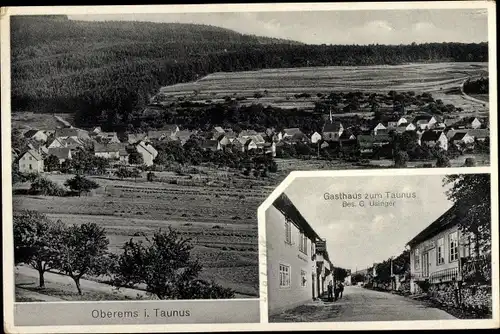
<point x="380" y="248"/>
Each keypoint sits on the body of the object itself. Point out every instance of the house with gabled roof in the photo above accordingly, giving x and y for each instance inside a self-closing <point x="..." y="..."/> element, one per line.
<point x="71" y="132"/>
<point x="108" y="137"/>
<point x="56" y="142"/>
<point x="37" y="146"/>
<point x="37" y="135"/>
<point x="315" y="137"/>
<point x="379" y="128"/>
<point x="31" y="162"/>
<point x="147" y="151"/>
<point x="211" y="145"/>
<point x="107" y="151"/>
<point x="462" y="139"/>
<point x="424" y="122"/>
<point x="62" y="153"/>
<point x="433" y="138"/>
<point x="290" y="132"/>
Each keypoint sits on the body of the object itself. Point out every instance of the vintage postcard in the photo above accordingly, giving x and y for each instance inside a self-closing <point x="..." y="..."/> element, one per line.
<point x="140" y="145"/>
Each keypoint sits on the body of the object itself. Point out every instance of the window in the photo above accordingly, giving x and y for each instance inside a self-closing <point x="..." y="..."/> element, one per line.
<point x="303" y="278"/>
<point x="440" y="251"/>
<point x="453" y="242"/>
<point x="303" y="243"/>
<point x="288" y="231"/>
<point x="417" y="259"/>
<point x="284" y="276"/>
<point x="31" y="167"/>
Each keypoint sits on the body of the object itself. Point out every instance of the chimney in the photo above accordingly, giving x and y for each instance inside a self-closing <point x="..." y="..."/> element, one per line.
<point x="331" y="119"/>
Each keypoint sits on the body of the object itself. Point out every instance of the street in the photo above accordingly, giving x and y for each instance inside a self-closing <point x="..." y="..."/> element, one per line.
<point x="360" y="304"/>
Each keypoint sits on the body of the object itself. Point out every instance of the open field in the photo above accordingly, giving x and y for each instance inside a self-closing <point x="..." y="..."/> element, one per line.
<point x="282" y="84"/>
<point x="220" y="221"/>
<point x="29" y="120"/>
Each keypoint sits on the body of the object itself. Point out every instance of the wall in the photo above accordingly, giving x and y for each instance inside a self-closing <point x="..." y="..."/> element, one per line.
<point x="24" y="163"/>
<point x="278" y="251"/>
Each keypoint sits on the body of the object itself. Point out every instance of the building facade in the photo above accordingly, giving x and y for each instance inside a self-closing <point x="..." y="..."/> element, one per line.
<point x="436" y="252"/>
<point x="291" y="246"/>
<point x="30" y="162"/>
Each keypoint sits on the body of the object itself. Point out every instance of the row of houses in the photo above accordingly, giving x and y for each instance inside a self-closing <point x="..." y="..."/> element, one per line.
<point x="298" y="265"/>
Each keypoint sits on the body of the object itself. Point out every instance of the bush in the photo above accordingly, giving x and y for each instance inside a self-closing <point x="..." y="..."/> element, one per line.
<point x="43" y="186"/>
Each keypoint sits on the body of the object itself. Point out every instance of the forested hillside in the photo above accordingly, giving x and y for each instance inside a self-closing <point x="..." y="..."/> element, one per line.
<point x="88" y="68"/>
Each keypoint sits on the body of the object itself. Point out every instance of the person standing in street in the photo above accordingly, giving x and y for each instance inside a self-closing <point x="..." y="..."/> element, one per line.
<point x="341" y="289"/>
<point x="330" y="291"/>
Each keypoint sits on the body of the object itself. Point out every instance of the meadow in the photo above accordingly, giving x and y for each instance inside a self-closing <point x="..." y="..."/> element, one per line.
<point x="221" y="222"/>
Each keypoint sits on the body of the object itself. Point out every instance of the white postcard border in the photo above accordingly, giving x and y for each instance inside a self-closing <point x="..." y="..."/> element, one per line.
<point x="8" y="263"/>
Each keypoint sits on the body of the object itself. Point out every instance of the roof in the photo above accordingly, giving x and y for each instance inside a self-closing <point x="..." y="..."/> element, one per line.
<point x="132" y="138"/>
<point x="431" y="135"/>
<point x="381" y="137"/>
<point x="71" y="132"/>
<point x="246" y="133"/>
<point x="183" y="135"/>
<point x="458" y="136"/>
<point x="114" y="147"/>
<point x="30" y="133"/>
<point x="148" y="147"/>
<point x="286" y="207"/>
<point x="447" y="220"/>
<point x="479" y="133"/>
<point x="219" y="129"/>
<point x="292" y="131"/>
<point x="34" y="154"/>
<point x="332" y="127"/>
<point x="419" y="119"/>
<point x="209" y="144"/>
<point x="60" y="152"/>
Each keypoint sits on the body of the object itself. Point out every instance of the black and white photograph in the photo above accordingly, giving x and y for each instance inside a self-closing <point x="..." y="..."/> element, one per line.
<point x="380" y="248"/>
<point x="140" y="142"/>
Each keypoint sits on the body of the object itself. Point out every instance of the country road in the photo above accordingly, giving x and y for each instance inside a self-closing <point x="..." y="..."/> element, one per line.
<point x="359" y="304"/>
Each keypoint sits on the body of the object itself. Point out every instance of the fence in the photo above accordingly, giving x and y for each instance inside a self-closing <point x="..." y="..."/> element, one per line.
<point x="444" y="275"/>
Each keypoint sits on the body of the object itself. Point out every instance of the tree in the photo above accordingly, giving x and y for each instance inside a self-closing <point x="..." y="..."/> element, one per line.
<point x="443" y="160"/>
<point x="81" y="184"/>
<point x="37" y="241"/>
<point x="83" y="252"/>
<point x="52" y="163"/>
<point x="123" y="173"/>
<point x="400" y="159"/>
<point x="135" y="158"/>
<point x="164" y="265"/>
<point x="340" y="274"/>
<point x="472" y="196"/>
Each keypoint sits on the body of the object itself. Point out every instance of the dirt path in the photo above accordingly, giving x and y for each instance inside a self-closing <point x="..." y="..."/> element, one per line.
<point x="85" y="284"/>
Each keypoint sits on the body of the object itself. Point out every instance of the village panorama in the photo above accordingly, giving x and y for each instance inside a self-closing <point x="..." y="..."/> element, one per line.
<point x="169" y="136"/>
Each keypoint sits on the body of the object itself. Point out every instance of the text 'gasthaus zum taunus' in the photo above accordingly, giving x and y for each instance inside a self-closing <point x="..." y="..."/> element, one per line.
<point x="354" y="200"/>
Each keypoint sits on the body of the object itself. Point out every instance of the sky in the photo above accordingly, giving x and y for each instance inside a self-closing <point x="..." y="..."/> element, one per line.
<point x="359" y="237"/>
<point x="337" y="27"/>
